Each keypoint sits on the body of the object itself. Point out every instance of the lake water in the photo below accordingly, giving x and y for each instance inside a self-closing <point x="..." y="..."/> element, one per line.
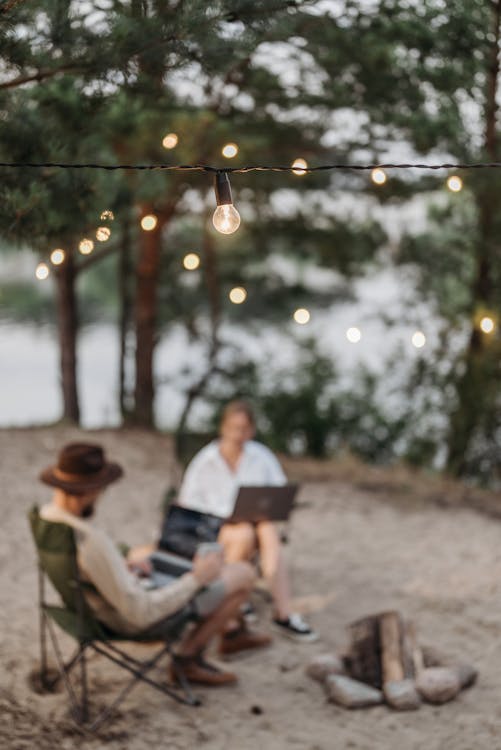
<point x="29" y="370"/>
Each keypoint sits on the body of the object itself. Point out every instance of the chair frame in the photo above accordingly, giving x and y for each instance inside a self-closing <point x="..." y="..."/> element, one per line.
<point x="102" y="645"/>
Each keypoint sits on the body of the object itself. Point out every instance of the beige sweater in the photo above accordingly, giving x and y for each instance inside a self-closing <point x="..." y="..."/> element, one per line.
<point x="120" y="601"/>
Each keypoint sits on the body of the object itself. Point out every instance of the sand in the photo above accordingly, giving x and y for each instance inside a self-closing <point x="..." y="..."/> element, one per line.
<point x="352" y="551"/>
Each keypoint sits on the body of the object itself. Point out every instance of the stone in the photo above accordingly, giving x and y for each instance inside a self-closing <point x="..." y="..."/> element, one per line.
<point x="323" y="665"/>
<point x="402" y="695"/>
<point x="438" y="684"/>
<point x="467" y="674"/>
<point x="351" y="693"/>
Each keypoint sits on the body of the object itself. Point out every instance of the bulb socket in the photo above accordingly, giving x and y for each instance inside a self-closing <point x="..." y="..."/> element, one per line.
<point x="222" y="188"/>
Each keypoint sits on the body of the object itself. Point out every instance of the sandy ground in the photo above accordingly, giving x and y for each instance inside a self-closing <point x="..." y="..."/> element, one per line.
<point x="352" y="552"/>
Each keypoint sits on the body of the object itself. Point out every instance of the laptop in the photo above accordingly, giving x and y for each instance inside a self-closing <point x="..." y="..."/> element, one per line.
<point x="183" y="530"/>
<point x="263" y="503"/>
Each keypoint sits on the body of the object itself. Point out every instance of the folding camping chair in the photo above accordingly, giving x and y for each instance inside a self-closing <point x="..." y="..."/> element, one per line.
<point x="57" y="560"/>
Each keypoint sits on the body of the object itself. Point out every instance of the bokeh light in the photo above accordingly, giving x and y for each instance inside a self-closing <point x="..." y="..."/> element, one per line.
<point x="354" y="335"/>
<point x="107" y="215"/>
<point x="86" y="246"/>
<point x="191" y="261"/>
<point x="103" y="234"/>
<point x="378" y="176"/>
<point x="487" y="324"/>
<point x="418" y="339"/>
<point x="230" y="150"/>
<point x="238" y="295"/>
<point x="170" y="140"/>
<point x="42" y="271"/>
<point x="298" y="166"/>
<point x="302" y="316"/>
<point x="57" y="257"/>
<point x="455" y="183"/>
<point x="149" y="222"/>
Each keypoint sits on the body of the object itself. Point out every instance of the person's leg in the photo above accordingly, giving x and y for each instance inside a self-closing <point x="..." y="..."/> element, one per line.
<point x="238" y="540"/>
<point x="274" y="567"/>
<point x="197" y="640"/>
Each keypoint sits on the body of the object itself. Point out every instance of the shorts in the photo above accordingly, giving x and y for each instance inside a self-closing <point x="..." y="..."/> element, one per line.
<point x="209" y="599"/>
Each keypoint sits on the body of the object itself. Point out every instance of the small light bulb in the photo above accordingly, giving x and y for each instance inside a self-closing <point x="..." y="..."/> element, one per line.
<point x="226" y="218"/>
<point x="103" y="234"/>
<point x="191" y="261"/>
<point x="107" y="216"/>
<point x="170" y="140"/>
<point x="455" y="183"/>
<point x="353" y="335"/>
<point x="230" y="150"/>
<point x="302" y="316"/>
<point x="238" y="295"/>
<point x="86" y="246"/>
<point x="42" y="271"/>
<point x="418" y="339"/>
<point x="378" y="176"/>
<point x="299" y="165"/>
<point x="487" y="324"/>
<point x="149" y="222"/>
<point x="57" y="257"/>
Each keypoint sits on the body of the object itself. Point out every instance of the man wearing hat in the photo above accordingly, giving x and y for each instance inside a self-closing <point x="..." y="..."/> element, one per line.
<point x="119" y="601"/>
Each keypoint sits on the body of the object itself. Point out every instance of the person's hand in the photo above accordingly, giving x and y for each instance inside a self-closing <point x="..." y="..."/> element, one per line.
<point x="208" y="567"/>
<point x="141" y="568"/>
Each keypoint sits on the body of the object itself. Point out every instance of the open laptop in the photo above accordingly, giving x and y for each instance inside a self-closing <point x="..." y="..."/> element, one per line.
<point x="263" y="503"/>
<point x="183" y="530"/>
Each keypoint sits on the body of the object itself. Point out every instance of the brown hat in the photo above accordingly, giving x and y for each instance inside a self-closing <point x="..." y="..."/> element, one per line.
<point x="81" y="467"/>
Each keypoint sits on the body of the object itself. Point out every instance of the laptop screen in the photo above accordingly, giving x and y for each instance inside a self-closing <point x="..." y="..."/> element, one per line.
<point x="184" y="529"/>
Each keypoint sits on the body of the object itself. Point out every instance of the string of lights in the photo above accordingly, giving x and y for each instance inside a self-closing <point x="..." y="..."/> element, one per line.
<point x="296" y="168"/>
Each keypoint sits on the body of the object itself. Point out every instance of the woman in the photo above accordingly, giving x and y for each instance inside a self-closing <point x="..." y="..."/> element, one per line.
<point x="211" y="484"/>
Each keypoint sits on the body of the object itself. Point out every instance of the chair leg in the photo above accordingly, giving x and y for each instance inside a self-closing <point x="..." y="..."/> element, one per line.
<point x="83" y="681"/>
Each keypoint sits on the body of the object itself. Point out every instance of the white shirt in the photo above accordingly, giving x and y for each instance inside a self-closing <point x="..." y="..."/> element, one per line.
<point x="210" y="485"/>
<point x="120" y="601"/>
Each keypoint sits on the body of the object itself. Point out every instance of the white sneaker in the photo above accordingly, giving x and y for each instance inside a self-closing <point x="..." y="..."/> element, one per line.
<point x="296" y="628"/>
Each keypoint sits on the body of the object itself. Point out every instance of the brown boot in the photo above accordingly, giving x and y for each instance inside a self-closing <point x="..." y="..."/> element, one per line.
<point x="199" y="671"/>
<point x="242" y="639"/>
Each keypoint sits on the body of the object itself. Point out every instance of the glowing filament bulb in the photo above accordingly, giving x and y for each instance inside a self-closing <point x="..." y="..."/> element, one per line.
<point x="86" y="246"/>
<point x="103" y="234"/>
<point x="57" y="257"/>
<point x="226" y="218"/>
<point x="378" y="176"/>
<point x="149" y="222"/>
<point x="299" y="166"/>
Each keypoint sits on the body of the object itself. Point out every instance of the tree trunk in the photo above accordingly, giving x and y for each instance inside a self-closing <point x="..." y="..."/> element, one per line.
<point x="67" y="330"/>
<point x="125" y="301"/>
<point x="147" y="273"/>
<point x="473" y="395"/>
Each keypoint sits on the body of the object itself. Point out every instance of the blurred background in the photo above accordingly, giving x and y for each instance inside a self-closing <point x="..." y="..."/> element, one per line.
<point x="357" y="309"/>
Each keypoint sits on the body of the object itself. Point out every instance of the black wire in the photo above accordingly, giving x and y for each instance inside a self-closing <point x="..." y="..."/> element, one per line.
<point x="242" y="170"/>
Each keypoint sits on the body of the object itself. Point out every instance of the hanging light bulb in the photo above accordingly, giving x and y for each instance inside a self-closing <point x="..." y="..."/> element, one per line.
<point x="354" y="335"/>
<point x="170" y="140"/>
<point x="230" y="150"/>
<point x="455" y="183"/>
<point x="487" y="324"/>
<point x="302" y="316"/>
<point x="418" y="339"/>
<point x="226" y="218"/>
<point x="299" y="166"/>
<point x="378" y="176"/>
<point x="191" y="261"/>
<point x="238" y="295"/>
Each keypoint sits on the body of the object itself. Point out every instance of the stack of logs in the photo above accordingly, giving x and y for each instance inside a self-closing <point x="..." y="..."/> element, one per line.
<point x="384" y="663"/>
